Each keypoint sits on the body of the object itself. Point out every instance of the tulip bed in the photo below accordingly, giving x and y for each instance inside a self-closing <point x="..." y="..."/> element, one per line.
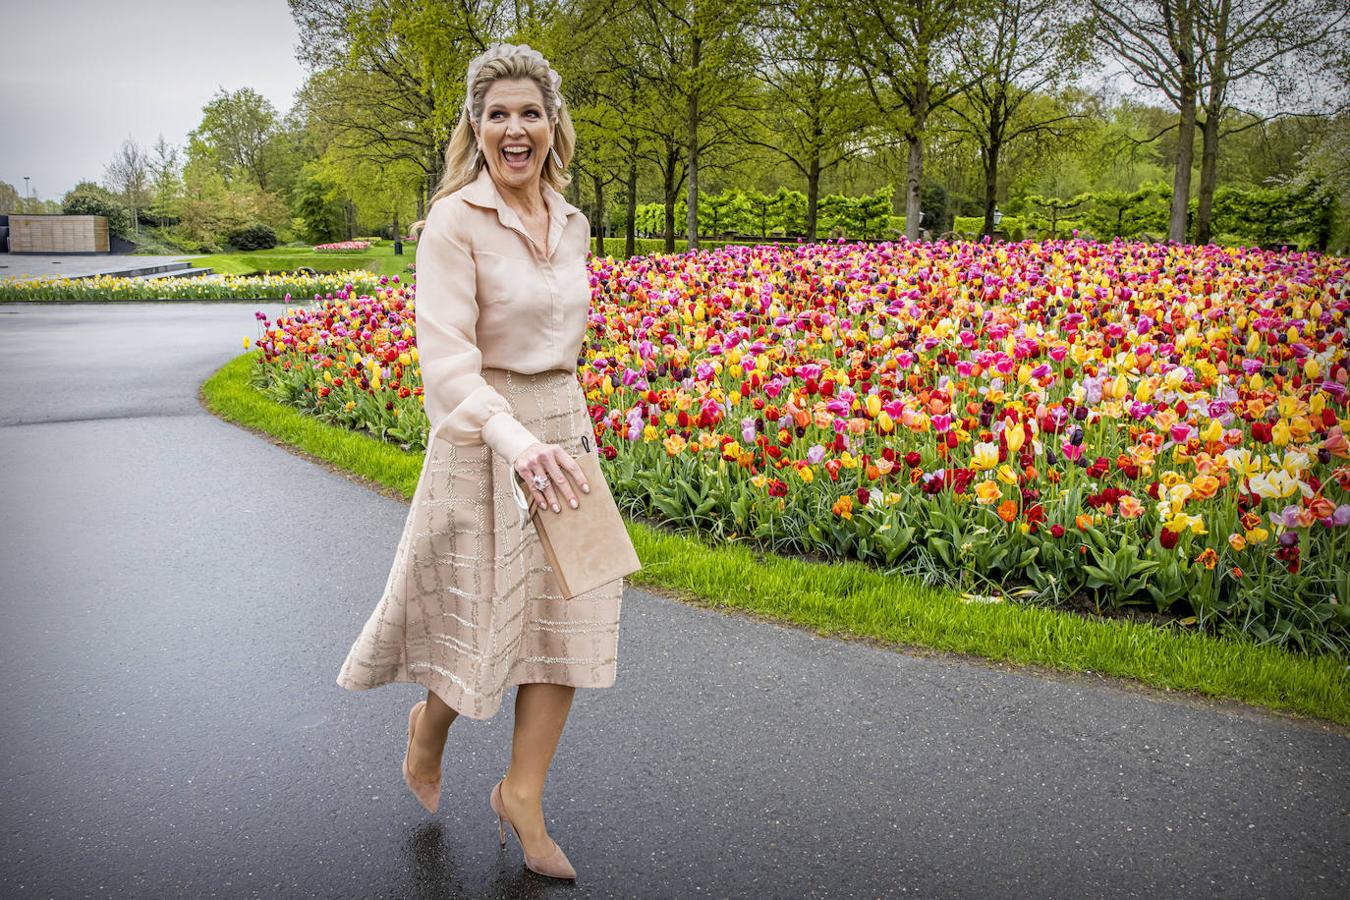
<point x="1124" y="424"/>
<point x="228" y="287"/>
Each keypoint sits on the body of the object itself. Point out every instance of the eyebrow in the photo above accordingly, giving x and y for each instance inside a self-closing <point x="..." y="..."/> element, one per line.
<point x="529" y="104"/>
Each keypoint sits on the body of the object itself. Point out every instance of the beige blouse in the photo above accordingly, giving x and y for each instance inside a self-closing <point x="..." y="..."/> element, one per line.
<point x="487" y="295"/>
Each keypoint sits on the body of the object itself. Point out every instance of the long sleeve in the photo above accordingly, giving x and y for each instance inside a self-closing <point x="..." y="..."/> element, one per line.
<point x="458" y="400"/>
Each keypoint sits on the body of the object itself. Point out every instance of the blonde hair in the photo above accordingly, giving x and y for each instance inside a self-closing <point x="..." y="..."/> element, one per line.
<point x="463" y="162"/>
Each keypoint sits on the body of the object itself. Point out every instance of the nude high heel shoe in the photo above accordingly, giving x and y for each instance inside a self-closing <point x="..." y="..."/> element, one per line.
<point x="554" y="864"/>
<point x="428" y="793"/>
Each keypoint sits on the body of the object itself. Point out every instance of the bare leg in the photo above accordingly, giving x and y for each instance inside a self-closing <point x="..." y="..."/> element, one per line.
<point x="429" y="732"/>
<point x="541" y="713"/>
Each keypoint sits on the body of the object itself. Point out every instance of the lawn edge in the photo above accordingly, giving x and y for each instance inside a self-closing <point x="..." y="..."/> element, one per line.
<point x="684" y="569"/>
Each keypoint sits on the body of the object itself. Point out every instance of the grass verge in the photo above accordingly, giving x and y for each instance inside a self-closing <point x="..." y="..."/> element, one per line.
<point x="852" y="600"/>
<point x="379" y="259"/>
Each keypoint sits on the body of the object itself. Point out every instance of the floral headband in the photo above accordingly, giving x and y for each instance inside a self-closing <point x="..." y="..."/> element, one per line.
<point x="502" y="51"/>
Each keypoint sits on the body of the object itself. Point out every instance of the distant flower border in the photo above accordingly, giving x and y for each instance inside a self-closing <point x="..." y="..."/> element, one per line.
<point x="342" y="246"/>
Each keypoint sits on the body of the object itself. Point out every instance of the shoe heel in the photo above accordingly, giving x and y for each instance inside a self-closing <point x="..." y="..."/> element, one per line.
<point x="499" y="810"/>
<point x="555" y="865"/>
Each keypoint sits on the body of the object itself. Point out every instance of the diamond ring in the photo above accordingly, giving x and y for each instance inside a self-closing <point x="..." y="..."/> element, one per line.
<point x="540" y="482"/>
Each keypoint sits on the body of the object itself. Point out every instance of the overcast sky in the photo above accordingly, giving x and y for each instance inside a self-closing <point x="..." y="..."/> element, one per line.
<point x="79" y="76"/>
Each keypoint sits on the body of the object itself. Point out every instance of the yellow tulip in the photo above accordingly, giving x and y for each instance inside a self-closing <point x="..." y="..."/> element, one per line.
<point x="1274" y="484"/>
<point x="1295" y="461"/>
<point x="984" y="456"/>
<point x="987" y="492"/>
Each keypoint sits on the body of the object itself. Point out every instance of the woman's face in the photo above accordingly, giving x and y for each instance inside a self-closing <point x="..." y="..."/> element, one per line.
<point x="513" y="117"/>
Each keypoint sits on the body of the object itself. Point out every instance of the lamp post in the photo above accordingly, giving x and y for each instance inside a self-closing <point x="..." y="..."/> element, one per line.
<point x="27" y="196"/>
<point x="998" y="216"/>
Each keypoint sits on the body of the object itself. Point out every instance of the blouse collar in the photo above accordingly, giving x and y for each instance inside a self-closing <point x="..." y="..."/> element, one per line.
<point x="482" y="191"/>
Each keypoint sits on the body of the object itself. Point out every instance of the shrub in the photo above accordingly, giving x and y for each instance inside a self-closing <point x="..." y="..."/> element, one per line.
<point x="88" y="199"/>
<point x="255" y="236"/>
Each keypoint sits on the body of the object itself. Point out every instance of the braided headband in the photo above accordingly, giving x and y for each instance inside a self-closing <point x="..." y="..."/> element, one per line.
<point x="502" y="51"/>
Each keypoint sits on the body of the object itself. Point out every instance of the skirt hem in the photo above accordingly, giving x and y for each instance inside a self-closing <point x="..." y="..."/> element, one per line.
<point x="466" y="710"/>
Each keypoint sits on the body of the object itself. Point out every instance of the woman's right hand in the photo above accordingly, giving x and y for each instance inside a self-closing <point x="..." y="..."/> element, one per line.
<point x="551" y="460"/>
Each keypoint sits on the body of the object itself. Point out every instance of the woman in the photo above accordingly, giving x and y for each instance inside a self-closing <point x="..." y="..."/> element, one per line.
<point x="502" y="303"/>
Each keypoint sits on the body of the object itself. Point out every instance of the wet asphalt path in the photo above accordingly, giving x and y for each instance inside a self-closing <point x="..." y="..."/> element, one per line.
<point x="177" y="595"/>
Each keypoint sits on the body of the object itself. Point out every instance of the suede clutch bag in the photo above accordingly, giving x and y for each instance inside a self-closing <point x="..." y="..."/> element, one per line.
<point x="587" y="546"/>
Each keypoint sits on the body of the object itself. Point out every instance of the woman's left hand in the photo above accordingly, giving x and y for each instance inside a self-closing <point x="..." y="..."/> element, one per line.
<point x="550" y="460"/>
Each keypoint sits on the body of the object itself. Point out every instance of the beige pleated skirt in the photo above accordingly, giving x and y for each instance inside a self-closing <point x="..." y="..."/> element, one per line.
<point x="471" y="606"/>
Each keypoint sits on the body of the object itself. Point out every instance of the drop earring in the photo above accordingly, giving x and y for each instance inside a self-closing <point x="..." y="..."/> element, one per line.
<point x="557" y="160"/>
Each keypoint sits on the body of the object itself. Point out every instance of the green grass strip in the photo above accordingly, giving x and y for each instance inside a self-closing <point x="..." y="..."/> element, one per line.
<point x="852" y="600"/>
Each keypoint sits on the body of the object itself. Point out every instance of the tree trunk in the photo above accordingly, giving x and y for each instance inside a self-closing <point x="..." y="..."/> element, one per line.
<point x="1209" y="154"/>
<point x="1209" y="163"/>
<point x="600" y="215"/>
<point x="629" y="245"/>
<point x="990" y="155"/>
<point x="914" y="138"/>
<point x="1184" y="47"/>
<point x="691" y="141"/>
<point x="669" y="195"/>
<point x="1181" y="178"/>
<point x="812" y="196"/>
